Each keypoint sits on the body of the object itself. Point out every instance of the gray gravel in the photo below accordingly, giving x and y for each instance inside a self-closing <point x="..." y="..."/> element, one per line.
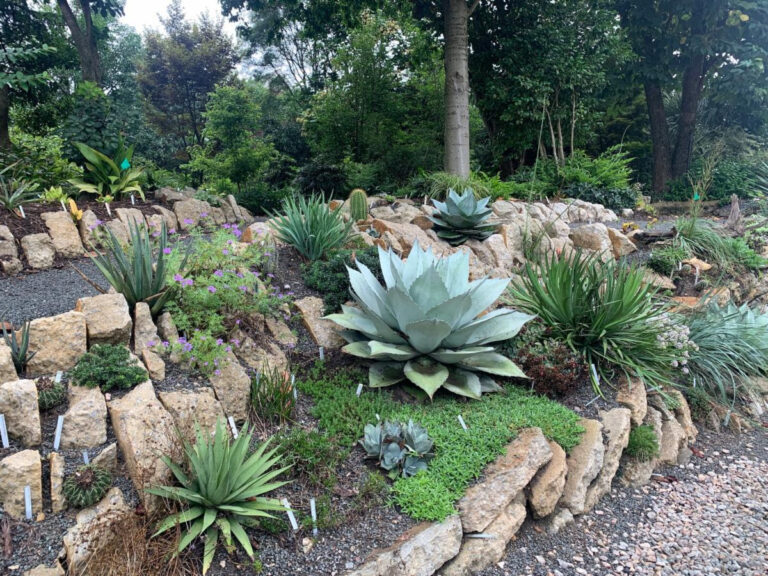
<point x="48" y="292"/>
<point x="714" y="520"/>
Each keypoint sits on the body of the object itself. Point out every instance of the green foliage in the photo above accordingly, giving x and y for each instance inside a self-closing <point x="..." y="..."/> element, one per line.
<point x="437" y="184"/>
<point x="358" y="204"/>
<point x="223" y="492"/>
<point x="49" y="393"/>
<point x="90" y="121"/>
<point x="700" y="238"/>
<point x="400" y="449"/>
<point x="462" y="217"/>
<point x="260" y="198"/>
<point x="665" y="259"/>
<point x="321" y="176"/>
<point x="108" y="367"/>
<point x="18" y="343"/>
<point x="423" y="325"/>
<point x="39" y="160"/>
<point x="699" y="402"/>
<point x="54" y="195"/>
<point x="15" y="193"/>
<point x="313" y="456"/>
<point x="612" y="198"/>
<point x="310" y="226"/>
<point x="272" y="394"/>
<point x="604" y="311"/>
<point x="330" y="276"/>
<point x="554" y="368"/>
<point x="107" y="177"/>
<point x="86" y="485"/>
<point x="643" y="444"/>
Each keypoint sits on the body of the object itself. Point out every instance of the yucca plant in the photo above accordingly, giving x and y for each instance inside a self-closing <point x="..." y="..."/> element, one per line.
<point x="461" y="218"/>
<point x="310" y="226"/>
<point x="14" y="192"/>
<point x="424" y="324"/>
<point x="223" y="490"/>
<point x="18" y="342"/>
<point x="137" y="271"/>
<point x="108" y="177"/>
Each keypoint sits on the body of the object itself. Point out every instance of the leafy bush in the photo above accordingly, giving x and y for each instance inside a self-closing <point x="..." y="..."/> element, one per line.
<point x="330" y="276"/>
<point x="18" y="343"/>
<point x="423" y="325"/>
<point x="108" y="178"/>
<point x="272" y="394"/>
<point x="437" y="184"/>
<point x="604" y="311"/>
<point x="49" y="393"/>
<point x="86" y="486"/>
<point x="223" y="491"/>
<point x="400" y="449"/>
<point x="462" y="218"/>
<point x="665" y="259"/>
<point x="106" y="366"/>
<point x="262" y="198"/>
<point x="90" y="121"/>
<point x="311" y="227"/>
<point x="643" y="444"/>
<point x="612" y="198"/>
<point x="39" y="160"/>
<point x="321" y="177"/>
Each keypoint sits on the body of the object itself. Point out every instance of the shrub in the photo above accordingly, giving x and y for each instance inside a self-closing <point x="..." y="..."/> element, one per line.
<point x="223" y="491"/>
<point x="311" y="227"/>
<point x="272" y="394"/>
<point x="38" y="160"/>
<point x="400" y="449"/>
<point x="107" y="366"/>
<point x="462" y="218"/>
<point x="86" y="486"/>
<point x="699" y="402"/>
<point x="321" y="177"/>
<point x="423" y="325"/>
<point x="18" y="343"/>
<point x="262" y="198"/>
<point x="612" y="198"/>
<point x="49" y="393"/>
<point x="665" y="259"/>
<point x="604" y="311"/>
<point x="643" y="444"/>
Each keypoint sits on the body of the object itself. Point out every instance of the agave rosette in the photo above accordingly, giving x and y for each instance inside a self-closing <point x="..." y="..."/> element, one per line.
<point x="425" y="325"/>
<point x="461" y="218"/>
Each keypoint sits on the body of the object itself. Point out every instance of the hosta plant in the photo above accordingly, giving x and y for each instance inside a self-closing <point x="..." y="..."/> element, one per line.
<point x="400" y="449"/>
<point x="222" y="491"/>
<point x="87" y="485"/>
<point x="424" y="324"/>
<point x="462" y="217"/>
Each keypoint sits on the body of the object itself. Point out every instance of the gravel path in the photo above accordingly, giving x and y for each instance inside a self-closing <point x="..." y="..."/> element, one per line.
<point x="48" y="292"/>
<point x="712" y="521"/>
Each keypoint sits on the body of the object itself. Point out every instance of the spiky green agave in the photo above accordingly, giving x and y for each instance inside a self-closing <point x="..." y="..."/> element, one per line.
<point x="423" y="325"/>
<point x="461" y="218"/>
<point x="224" y="490"/>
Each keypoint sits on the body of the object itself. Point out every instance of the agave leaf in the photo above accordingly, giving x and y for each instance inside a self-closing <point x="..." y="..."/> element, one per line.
<point x="426" y="374"/>
<point x="493" y="363"/>
<point x="391" y="351"/>
<point x="427" y="335"/>
<point x="493" y="327"/>
<point x="367" y="324"/>
<point x="446" y="356"/>
<point x="211" y="539"/>
<point x="383" y="374"/>
<point x="428" y="290"/>
<point x="361" y="349"/>
<point x="451" y="311"/>
<point x="373" y="440"/>
<point x="405" y="310"/>
<point x="464" y="383"/>
<point x="180" y="518"/>
<point x="412" y="465"/>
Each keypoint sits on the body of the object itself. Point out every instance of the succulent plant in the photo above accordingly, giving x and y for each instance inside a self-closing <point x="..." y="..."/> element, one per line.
<point x="424" y="326"/>
<point x="461" y="218"/>
<point x="358" y="204"/>
<point x="18" y="342"/>
<point x="87" y="485"/>
<point x="399" y="448"/>
<point x="49" y="393"/>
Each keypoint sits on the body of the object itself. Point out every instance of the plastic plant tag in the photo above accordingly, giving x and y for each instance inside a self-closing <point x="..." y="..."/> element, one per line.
<point x="232" y="425"/>
<point x="28" y="502"/>
<point x="86" y="460"/>
<point x="21" y="209"/>
<point x="596" y="376"/>
<point x="322" y="354"/>
<point x="293" y="386"/>
<point x="359" y="390"/>
<point x="133" y="200"/>
<point x="57" y="437"/>
<point x="289" y="512"/>
<point x="313" y="511"/>
<point x="3" y="431"/>
<point x="59" y="374"/>
<point x="63" y="208"/>
<point x="108" y="210"/>
<point x="461" y="421"/>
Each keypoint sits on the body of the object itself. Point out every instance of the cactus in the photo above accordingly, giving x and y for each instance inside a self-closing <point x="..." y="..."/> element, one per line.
<point x="87" y="485"/>
<point x="399" y="448"/>
<point x="358" y="204"/>
<point x="49" y="393"/>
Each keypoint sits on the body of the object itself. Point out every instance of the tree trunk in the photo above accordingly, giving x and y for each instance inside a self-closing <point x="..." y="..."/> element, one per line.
<point x="456" y="159"/>
<point x="5" y="106"/>
<point x="686" y="126"/>
<point x="659" y="135"/>
<point x="84" y="40"/>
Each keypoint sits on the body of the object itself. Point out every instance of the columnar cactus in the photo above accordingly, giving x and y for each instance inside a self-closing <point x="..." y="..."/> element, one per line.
<point x="358" y="204"/>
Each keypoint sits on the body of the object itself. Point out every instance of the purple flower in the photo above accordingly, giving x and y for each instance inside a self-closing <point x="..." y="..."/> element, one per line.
<point x="167" y="250"/>
<point x="177" y="278"/>
<point x="267" y="254"/>
<point x="270" y="275"/>
<point x="166" y="344"/>
<point x="229" y="242"/>
<point x="218" y="273"/>
<point x="237" y="232"/>
<point x="219" y="342"/>
<point x="226" y="226"/>
<point x="240" y="275"/>
<point x="151" y="343"/>
<point x="205" y="363"/>
<point x="182" y="340"/>
<point x="228" y="348"/>
<point x="203" y="214"/>
<point x="225" y="252"/>
<point x="187" y="282"/>
<point x="172" y="231"/>
<point x="236" y="341"/>
<point x="243" y="288"/>
<point x="188" y="221"/>
<point x="188" y="347"/>
<point x="217" y="372"/>
<point x="212" y="289"/>
<point x="237" y="321"/>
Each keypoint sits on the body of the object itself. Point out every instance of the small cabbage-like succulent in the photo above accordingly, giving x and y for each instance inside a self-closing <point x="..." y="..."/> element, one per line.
<point x="87" y="485"/>
<point x="400" y="449"/>
<point x="425" y="324"/>
<point x="49" y="393"/>
<point x="461" y="218"/>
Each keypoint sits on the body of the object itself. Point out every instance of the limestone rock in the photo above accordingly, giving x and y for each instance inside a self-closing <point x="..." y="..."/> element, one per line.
<point x="217" y="215"/>
<point x="672" y="441"/>
<point x="166" y="328"/>
<point x="154" y="364"/>
<point x="620" y="244"/>
<point x="11" y="266"/>
<point x="683" y="415"/>
<point x="155" y="223"/>
<point x="193" y="407"/>
<point x="7" y="368"/>
<point x="85" y="422"/>
<point x="233" y="388"/>
<point x="503" y="257"/>
<point x="58" y="501"/>
<point x="631" y="393"/>
<point x="144" y="329"/>
<point x="547" y="486"/>
<point x="64" y="234"/>
<point x="168" y="195"/>
<point x="658" y="281"/>
<point x="18" y="401"/>
<point x="280" y="331"/>
<point x="107" y="319"/>
<point x="559" y="520"/>
<point x="323" y="332"/>
<point x="616" y="426"/>
<point x="593" y="237"/>
<point x="268" y="355"/>
<point x="169" y="218"/>
<point x="88" y="226"/>
<point x="107" y="458"/>
<point x="504" y="479"/>
<point x="584" y="464"/>
<point x="408" y="234"/>
<point x="189" y="212"/>
<point x="131" y="217"/>
<point x="93" y="529"/>
<point x="700" y="264"/>
<point x="257" y="231"/>
<point x="419" y="552"/>
<point x="17" y="471"/>
<point x="144" y="431"/>
<point x="119" y="231"/>
<point x="58" y="343"/>
<point x="43" y="570"/>
<point x="8" y="248"/>
<point x="38" y="250"/>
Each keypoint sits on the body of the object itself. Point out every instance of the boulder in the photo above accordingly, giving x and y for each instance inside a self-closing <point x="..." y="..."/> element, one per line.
<point x="43" y="570"/>
<point x="683" y="415"/>
<point x="193" y="407"/>
<point x="58" y="343"/>
<point x="657" y="281"/>
<point x="144" y="329"/>
<point x="58" y="501"/>
<point x="408" y="234"/>
<point x="107" y="458"/>
<point x="11" y="266"/>
<point x="154" y="364"/>
<point x="119" y="231"/>
<point x="268" y="355"/>
<point x="504" y="257"/>
<point x="631" y="394"/>
<point x="38" y="250"/>
<point x="155" y="224"/>
<point x="616" y="426"/>
<point x="85" y="422"/>
<point x="559" y="520"/>
<point x="166" y="328"/>
<point x="168" y="195"/>
<point x="593" y="237"/>
<point x="257" y="231"/>
<point x="671" y="442"/>
<point x="18" y="401"/>
<point x="281" y="332"/>
<point x="584" y="464"/>
<point x="547" y="486"/>
<point x="477" y="554"/>
<point x="419" y="552"/>
<point x="169" y="218"/>
<point x="7" y="368"/>
<point x="144" y="432"/>
<point x="107" y="319"/>
<point x="232" y="203"/>
<point x="88" y="227"/>
<point x="217" y="215"/>
<point x="17" y="471"/>
<point x="620" y="244"/>
<point x="64" y="234"/>
<point x="233" y="388"/>
<point x="94" y="529"/>
<point x="504" y="479"/>
<point x="131" y="217"/>
<point x="189" y="212"/>
<point x="324" y="332"/>
<point x="8" y="248"/>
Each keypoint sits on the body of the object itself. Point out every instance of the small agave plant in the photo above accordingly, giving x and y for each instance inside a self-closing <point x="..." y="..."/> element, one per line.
<point x="461" y="218"/>
<point x="424" y="325"/>
<point x="399" y="448"/>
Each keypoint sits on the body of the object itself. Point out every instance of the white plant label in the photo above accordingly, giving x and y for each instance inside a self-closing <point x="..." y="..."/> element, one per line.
<point x="86" y="460"/>
<point x="57" y="437"/>
<point x="313" y="511"/>
<point x="231" y="421"/>
<point x="64" y="208"/>
<point x="293" y="386"/>
<point x="359" y="390"/>
<point x="595" y="375"/>
<point x="59" y="375"/>
<point x="21" y="209"/>
<point x="322" y="353"/>
<point x="133" y="200"/>
<point x="461" y="421"/>
<point x="28" y="502"/>
<point x="108" y="210"/>
<point x="378" y="418"/>
<point x="289" y="512"/>
<point x="3" y="431"/>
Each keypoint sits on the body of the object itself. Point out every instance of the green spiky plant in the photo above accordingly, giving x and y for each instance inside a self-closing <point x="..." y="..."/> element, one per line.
<point x="223" y="491"/>
<point x="643" y="445"/>
<point x="423" y="325"/>
<point x="358" y="204"/>
<point x="14" y="192"/>
<point x="86" y="486"/>
<point x="18" y="342"/>
<point x="49" y="393"/>
<point x="461" y="218"/>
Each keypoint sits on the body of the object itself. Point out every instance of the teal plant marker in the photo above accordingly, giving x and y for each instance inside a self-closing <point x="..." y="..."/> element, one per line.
<point x="124" y="165"/>
<point x="696" y="197"/>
